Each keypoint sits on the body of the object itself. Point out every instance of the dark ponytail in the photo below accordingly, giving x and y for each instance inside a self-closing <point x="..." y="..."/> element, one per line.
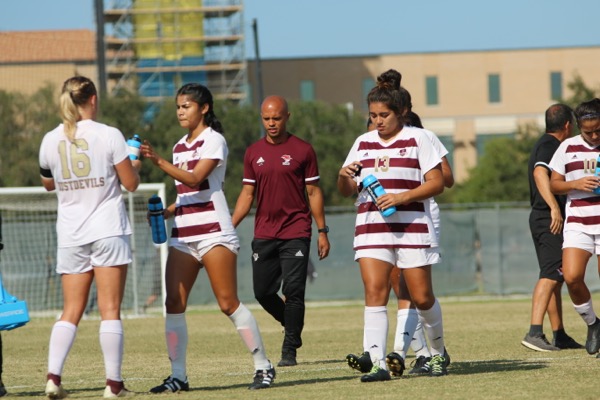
<point x="200" y="94"/>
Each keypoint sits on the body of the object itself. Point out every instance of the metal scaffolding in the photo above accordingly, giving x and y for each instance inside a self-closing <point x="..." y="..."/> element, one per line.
<point x="155" y="46"/>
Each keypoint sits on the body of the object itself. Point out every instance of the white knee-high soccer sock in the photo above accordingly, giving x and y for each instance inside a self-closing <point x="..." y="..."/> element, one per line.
<point x="586" y="311"/>
<point x="406" y="324"/>
<point x="111" y="343"/>
<point x="61" y="340"/>
<point x="433" y="324"/>
<point x="418" y="344"/>
<point x="376" y="330"/>
<point x="176" y="334"/>
<point x="246" y="325"/>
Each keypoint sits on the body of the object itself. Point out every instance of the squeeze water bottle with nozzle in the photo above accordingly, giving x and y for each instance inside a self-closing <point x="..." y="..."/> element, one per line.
<point x="134" y="145"/>
<point x="157" y="219"/>
<point x="375" y="190"/>
<point x="597" y="173"/>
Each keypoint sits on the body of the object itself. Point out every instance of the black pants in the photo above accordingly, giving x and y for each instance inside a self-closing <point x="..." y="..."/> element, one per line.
<point x="282" y="264"/>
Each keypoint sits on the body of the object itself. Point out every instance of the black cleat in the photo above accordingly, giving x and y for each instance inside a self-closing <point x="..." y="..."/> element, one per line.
<point x="420" y="366"/>
<point x="395" y="364"/>
<point x="592" y="344"/>
<point x="263" y="378"/>
<point x="171" y="385"/>
<point x="377" y="374"/>
<point x="362" y="364"/>
<point x="438" y="366"/>
<point x="568" y="343"/>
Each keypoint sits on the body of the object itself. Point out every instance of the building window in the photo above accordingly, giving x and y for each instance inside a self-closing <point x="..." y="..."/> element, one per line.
<point x="367" y="85"/>
<point x="494" y="88"/>
<point x="307" y="90"/>
<point x="556" y="85"/>
<point x="431" y="90"/>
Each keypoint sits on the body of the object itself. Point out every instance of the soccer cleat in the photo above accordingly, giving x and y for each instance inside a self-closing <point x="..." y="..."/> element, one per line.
<point x="420" y="366"/>
<point x="263" y="378"/>
<point x="538" y="343"/>
<point x="377" y="374"/>
<point x="172" y="385"/>
<point x="54" y="391"/>
<point x="395" y="364"/>
<point x="288" y="359"/>
<point x="438" y="366"/>
<point x="567" y="343"/>
<point x="446" y="357"/>
<point x="3" y="391"/>
<point x="116" y="389"/>
<point x="108" y="393"/>
<point x="362" y="363"/>
<point x="592" y="343"/>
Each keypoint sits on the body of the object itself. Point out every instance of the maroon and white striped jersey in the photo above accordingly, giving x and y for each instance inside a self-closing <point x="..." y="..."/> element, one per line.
<point x="201" y="212"/>
<point x="400" y="165"/>
<point x="575" y="159"/>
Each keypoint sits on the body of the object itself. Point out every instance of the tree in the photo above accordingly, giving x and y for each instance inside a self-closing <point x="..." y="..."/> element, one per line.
<point x="23" y="122"/>
<point x="501" y="174"/>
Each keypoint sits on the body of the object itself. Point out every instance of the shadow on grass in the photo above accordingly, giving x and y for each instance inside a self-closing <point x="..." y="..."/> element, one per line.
<point x="278" y="383"/>
<point x="484" y="367"/>
<point x="71" y="393"/>
<point x="316" y="362"/>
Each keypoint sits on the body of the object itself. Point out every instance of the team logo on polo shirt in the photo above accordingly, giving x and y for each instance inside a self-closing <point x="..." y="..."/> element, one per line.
<point x="260" y="161"/>
<point x="286" y="159"/>
<point x="402" y="152"/>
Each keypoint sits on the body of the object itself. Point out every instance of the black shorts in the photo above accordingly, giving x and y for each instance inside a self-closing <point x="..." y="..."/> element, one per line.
<point x="548" y="247"/>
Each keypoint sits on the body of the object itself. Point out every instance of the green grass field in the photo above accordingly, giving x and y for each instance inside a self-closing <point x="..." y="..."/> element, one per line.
<point x="482" y="336"/>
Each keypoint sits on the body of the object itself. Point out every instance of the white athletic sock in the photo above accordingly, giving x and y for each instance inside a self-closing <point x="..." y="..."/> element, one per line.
<point x="246" y="325"/>
<point x="176" y="334"/>
<point x="407" y="320"/>
<point x="418" y="344"/>
<point x="61" y="341"/>
<point x="111" y="343"/>
<point x="432" y="322"/>
<point x="376" y="330"/>
<point x="586" y="311"/>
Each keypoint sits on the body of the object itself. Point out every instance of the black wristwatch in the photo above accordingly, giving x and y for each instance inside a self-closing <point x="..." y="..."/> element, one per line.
<point x="323" y="230"/>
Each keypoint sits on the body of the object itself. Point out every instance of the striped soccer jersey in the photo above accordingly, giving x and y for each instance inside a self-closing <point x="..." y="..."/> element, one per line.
<point x="434" y="208"/>
<point x="575" y="159"/>
<point x="400" y="165"/>
<point x="201" y="212"/>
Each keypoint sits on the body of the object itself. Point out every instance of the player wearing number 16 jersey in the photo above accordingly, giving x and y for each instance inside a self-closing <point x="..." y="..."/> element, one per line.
<point x="86" y="163"/>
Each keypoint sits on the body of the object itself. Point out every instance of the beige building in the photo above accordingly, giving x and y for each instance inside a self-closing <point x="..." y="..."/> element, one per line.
<point x="465" y="97"/>
<point x="30" y="60"/>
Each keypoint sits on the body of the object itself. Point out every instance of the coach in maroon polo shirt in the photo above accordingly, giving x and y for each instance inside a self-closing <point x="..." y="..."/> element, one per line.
<point x="279" y="171"/>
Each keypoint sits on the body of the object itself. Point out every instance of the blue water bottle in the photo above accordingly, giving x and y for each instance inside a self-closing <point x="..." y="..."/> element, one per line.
<point x="597" y="173"/>
<point x="375" y="190"/>
<point x="134" y="145"/>
<point x="157" y="220"/>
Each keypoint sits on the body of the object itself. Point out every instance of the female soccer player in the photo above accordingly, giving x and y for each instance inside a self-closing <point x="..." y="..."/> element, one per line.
<point x="409" y="168"/>
<point x="202" y="236"/>
<point x="573" y="166"/>
<point x="87" y="162"/>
